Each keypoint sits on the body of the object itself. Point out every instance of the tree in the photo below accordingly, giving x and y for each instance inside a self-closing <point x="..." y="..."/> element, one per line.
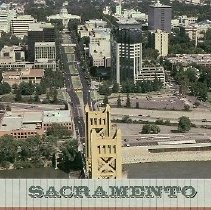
<point x="59" y="131"/>
<point x="4" y="88"/>
<point x="48" y="147"/>
<point x="184" y="124"/>
<point x="199" y="89"/>
<point x="150" y="129"/>
<point x="18" y="96"/>
<point x="26" y="88"/>
<point x="191" y="74"/>
<point x="128" y="101"/>
<point x="104" y="89"/>
<point x="157" y="84"/>
<point x="119" y="102"/>
<point x="36" y="97"/>
<point x="128" y="87"/>
<point x="8" y="149"/>
<point x="71" y="156"/>
<point x="38" y="89"/>
<point x="105" y="100"/>
<point x="115" y="88"/>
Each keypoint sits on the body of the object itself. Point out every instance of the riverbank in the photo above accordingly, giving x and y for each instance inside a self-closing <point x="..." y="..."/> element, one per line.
<point x="141" y="155"/>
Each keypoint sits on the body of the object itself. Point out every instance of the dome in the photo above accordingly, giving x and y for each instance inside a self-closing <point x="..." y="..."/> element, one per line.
<point x="64" y="11"/>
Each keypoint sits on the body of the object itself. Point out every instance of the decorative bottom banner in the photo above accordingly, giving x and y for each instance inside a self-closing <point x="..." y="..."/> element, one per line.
<point x="104" y="208"/>
<point x="87" y="194"/>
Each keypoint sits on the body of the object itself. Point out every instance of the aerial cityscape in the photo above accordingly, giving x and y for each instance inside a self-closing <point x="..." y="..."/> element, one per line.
<point x="94" y="89"/>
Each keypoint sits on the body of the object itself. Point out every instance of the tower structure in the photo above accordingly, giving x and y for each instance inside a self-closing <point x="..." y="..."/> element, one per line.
<point x="103" y="149"/>
<point x="119" y="8"/>
<point x="126" y="51"/>
<point x="159" y="17"/>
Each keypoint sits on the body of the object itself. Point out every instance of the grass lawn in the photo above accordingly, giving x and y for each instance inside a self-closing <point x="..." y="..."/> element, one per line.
<point x="76" y="82"/>
<point x="73" y="70"/>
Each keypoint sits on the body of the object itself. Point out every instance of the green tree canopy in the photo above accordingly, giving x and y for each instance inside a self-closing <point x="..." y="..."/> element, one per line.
<point x="104" y="88"/>
<point x="128" y="104"/>
<point x="184" y="124"/>
<point x="150" y="129"/>
<point x="115" y="88"/>
<point x="59" y="131"/>
<point x="71" y="156"/>
<point x="4" y="88"/>
<point x="8" y="149"/>
<point x="119" y="102"/>
<point x="26" y="88"/>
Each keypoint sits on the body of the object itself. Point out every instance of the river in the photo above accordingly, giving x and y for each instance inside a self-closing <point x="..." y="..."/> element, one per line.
<point x="164" y="170"/>
<point x="169" y="170"/>
<point x="36" y="173"/>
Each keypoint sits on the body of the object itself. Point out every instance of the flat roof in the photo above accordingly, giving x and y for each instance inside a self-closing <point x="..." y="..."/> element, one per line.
<point x="32" y="117"/>
<point x="10" y="123"/>
<point x="58" y="116"/>
<point x="52" y="44"/>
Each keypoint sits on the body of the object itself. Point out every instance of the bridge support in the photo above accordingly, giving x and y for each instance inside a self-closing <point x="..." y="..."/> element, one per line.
<point x="103" y="149"/>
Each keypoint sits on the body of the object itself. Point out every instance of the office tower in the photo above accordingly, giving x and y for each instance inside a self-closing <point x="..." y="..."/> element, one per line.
<point x="127" y="51"/>
<point x="39" y="32"/>
<point x="159" y="17"/>
<point x="45" y="50"/>
<point x="159" y="40"/>
<point x="119" y="8"/>
<point x="6" y="15"/>
<point x="19" y="26"/>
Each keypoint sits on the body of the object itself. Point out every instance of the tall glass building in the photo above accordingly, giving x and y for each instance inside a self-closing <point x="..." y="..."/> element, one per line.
<point x="127" y="51"/>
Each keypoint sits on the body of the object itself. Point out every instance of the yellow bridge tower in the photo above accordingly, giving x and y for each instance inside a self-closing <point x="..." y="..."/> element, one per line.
<point x="103" y="149"/>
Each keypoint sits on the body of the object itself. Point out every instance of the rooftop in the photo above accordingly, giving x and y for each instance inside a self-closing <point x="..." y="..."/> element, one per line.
<point x="11" y="123"/>
<point x="24" y="17"/>
<point x="45" y="44"/>
<point x="32" y="117"/>
<point x="191" y="58"/>
<point x="57" y="116"/>
<point x="28" y="120"/>
<point x="25" y="73"/>
<point x="127" y="21"/>
<point x="39" y="26"/>
<point x="159" y="5"/>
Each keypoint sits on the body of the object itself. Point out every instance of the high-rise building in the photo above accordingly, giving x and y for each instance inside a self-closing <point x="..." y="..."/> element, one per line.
<point x="45" y="50"/>
<point x="39" y="32"/>
<point x="159" y="17"/>
<point x="19" y="26"/>
<point x="127" y="51"/>
<point x="99" y="47"/>
<point x="6" y="15"/>
<point x="159" y="41"/>
<point x="119" y="8"/>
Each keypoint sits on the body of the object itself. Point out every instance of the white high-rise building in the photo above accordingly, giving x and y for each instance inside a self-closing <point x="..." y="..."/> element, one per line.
<point x="99" y="47"/>
<point x="20" y="25"/>
<point x="119" y="8"/>
<point x="6" y="15"/>
<point x="45" y="51"/>
<point x="160" y="42"/>
<point x="128" y="61"/>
